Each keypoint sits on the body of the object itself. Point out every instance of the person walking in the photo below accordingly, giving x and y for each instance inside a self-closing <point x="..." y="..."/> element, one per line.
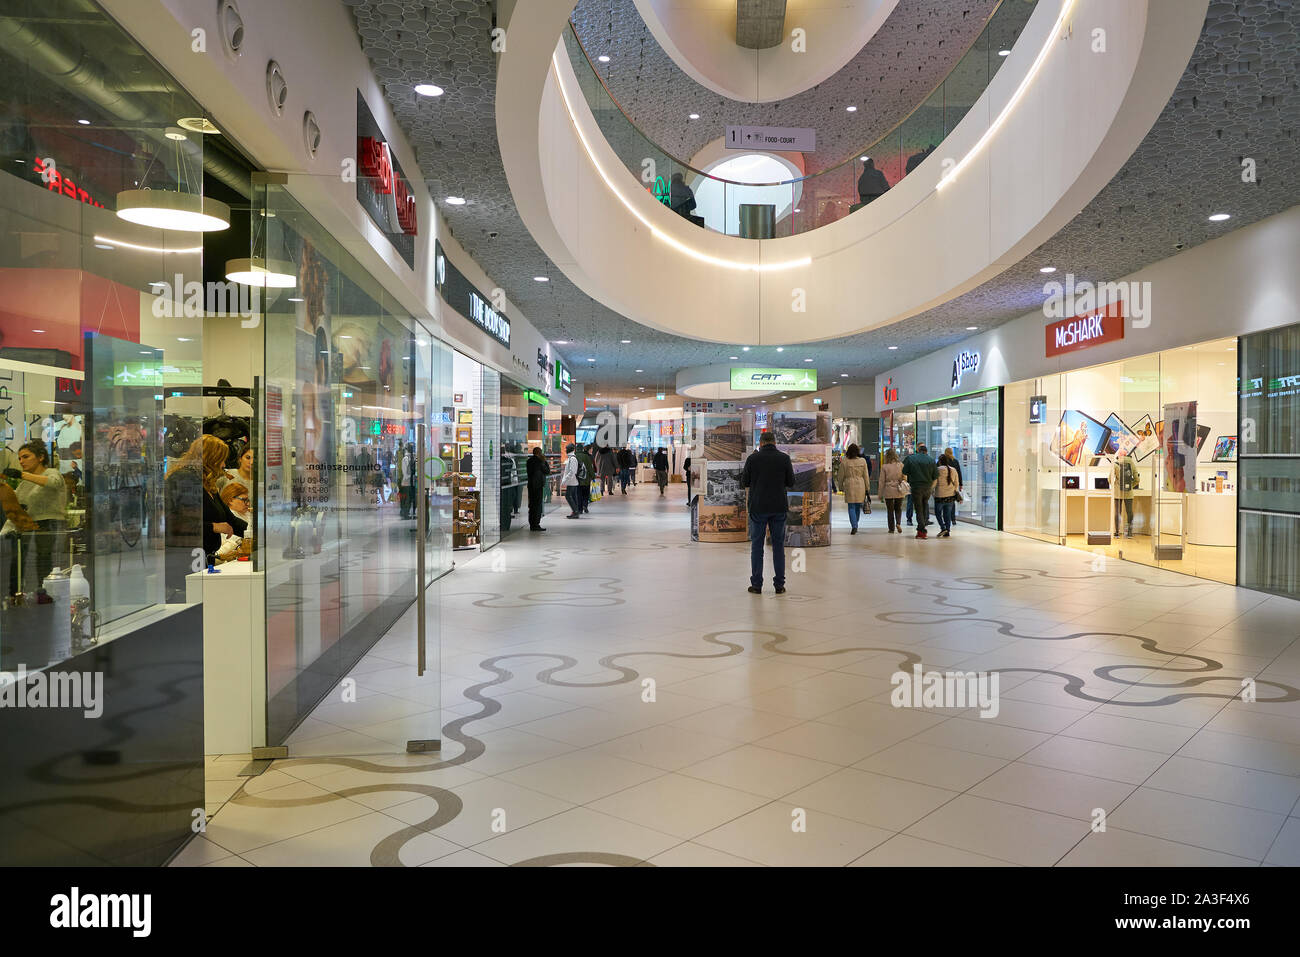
<point x="952" y="460"/>
<point x="538" y="469"/>
<point x="852" y="479"/>
<point x="872" y="183"/>
<point x="588" y="468"/>
<point x="572" y="479"/>
<point x="891" y="490"/>
<point x="921" y="474"/>
<point x="769" y="475"/>
<point x="607" y="469"/>
<point x="626" y="462"/>
<point x="660" y="462"/>
<point x="686" y="472"/>
<point x="946" y="488"/>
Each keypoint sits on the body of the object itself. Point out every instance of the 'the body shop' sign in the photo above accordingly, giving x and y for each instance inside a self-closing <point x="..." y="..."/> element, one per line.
<point x="1086" y="330"/>
<point x="382" y="189"/>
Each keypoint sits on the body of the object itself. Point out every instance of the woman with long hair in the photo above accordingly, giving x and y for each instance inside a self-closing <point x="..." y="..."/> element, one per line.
<point x="853" y="479"/>
<point x="196" y="516"/>
<point x="891" y="490"/>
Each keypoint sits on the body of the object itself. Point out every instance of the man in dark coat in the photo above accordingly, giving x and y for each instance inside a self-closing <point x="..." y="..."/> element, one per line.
<point x="538" y="470"/>
<point x="768" y="474"/>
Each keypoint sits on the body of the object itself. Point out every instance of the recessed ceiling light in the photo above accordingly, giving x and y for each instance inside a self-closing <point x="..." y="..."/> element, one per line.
<point x="345" y="337"/>
<point x="807" y="360"/>
<point x="428" y="89"/>
<point x="38" y="330"/>
<point x="971" y="328"/>
<point x="733" y="357"/>
<point x="84" y="122"/>
<point x="1047" y="269"/>
<point x="455" y="201"/>
<point x="1220" y="217"/>
<point x="695" y="116"/>
<point x="780" y="348"/>
<point x="640" y="370"/>
<point x="891" y="348"/>
<point x="744" y="348"/>
<point x="625" y="341"/>
<point x="183" y="339"/>
<point x="561" y="342"/>
<point x="851" y="109"/>
<point x="844" y="375"/>
<point x="603" y="58"/>
<point x="1004" y="53"/>
<point x="591" y="360"/>
<point x="295" y="299"/>
<point x="541" y="279"/>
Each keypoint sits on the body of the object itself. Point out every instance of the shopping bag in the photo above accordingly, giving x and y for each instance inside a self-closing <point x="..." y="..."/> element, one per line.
<point x="595" y="491"/>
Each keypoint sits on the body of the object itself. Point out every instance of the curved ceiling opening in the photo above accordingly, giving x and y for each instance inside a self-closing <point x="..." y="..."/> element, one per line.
<point x="719" y="203"/>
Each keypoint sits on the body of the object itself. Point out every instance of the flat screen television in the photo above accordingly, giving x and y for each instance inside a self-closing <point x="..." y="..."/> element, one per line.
<point x="1101" y="484"/>
<point x="1078" y="435"/>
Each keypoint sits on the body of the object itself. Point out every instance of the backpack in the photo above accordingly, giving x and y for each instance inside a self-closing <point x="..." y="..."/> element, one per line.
<point x="582" y="471"/>
<point x="1126" y="482"/>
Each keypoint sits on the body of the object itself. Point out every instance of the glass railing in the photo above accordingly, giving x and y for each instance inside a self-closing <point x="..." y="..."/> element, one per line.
<point x="786" y="206"/>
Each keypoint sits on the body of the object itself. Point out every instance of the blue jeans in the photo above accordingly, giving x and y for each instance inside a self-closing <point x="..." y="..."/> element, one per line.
<point x="855" y="512"/>
<point x="946" y="514"/>
<point x="624" y="476"/>
<point x="758" y="527"/>
<point x="909" y="510"/>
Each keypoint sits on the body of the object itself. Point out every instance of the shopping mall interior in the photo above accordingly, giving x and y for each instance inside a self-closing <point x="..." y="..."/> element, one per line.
<point x="393" y="406"/>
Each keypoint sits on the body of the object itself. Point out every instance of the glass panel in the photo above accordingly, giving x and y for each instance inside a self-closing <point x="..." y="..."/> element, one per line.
<point x="345" y="392"/>
<point x="1032" y="468"/>
<point x="487" y="457"/>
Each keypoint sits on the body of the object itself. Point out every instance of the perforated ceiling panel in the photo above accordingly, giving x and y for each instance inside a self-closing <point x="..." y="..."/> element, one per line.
<point x="1237" y="98"/>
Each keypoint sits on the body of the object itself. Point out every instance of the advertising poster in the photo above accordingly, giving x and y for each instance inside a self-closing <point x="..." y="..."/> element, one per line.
<point x="1147" y="441"/>
<point x="1078" y="435"/>
<point x="1179" y="443"/>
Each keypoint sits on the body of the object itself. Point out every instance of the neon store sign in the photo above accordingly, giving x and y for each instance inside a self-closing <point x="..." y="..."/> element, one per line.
<point x="376" y="163"/>
<point x="59" y="183"/>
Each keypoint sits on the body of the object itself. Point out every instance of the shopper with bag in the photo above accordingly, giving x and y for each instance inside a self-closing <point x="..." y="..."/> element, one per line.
<point x="853" y="478"/>
<point x="893" y="489"/>
<point x="947" y="493"/>
<point x="572" y="479"/>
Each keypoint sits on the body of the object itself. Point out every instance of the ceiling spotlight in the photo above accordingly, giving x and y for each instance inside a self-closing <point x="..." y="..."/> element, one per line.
<point x="591" y="360"/>
<point x="640" y="370"/>
<point x="625" y="341"/>
<point x="428" y="89"/>
<point x="561" y="342"/>
<point x="1219" y="217"/>
<point x="807" y="360"/>
<point x="892" y="348"/>
<point x="84" y="122"/>
<point x="733" y="357"/>
<point x="744" y="348"/>
<point x="1004" y="53"/>
<point x="851" y="109"/>
<point x="603" y="58"/>
<point x="694" y="116"/>
<point x="780" y="348"/>
<point x="541" y="279"/>
<point x="971" y="328"/>
<point x="844" y="375"/>
<point x="455" y="201"/>
<point x="1047" y="269"/>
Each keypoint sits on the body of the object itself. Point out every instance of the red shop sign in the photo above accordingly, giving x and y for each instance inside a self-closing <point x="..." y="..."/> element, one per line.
<point x="1086" y="330"/>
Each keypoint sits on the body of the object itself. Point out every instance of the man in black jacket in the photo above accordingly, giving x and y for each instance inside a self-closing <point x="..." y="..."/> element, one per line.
<point x="768" y="474"/>
<point x="538" y="469"/>
<point x="660" y="462"/>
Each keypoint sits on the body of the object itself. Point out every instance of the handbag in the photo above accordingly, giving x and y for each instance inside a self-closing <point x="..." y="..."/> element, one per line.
<point x="905" y="487"/>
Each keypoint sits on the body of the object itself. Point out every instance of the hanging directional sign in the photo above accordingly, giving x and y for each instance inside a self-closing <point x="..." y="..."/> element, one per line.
<point x="771" y="138"/>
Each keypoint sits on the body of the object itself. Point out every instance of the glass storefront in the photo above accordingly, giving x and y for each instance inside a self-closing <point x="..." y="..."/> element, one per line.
<point x="1135" y="459"/>
<point x="1269" y="466"/>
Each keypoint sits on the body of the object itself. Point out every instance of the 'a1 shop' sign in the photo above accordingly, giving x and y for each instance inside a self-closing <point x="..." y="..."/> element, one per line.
<point x="377" y="163"/>
<point x="1086" y="330"/>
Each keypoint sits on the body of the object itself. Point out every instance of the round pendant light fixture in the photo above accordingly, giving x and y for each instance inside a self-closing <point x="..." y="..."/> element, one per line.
<point x="263" y="273"/>
<point x="165" y="209"/>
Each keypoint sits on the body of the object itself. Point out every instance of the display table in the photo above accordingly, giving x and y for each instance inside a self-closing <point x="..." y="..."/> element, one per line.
<point x="1093" y="510"/>
<point x="234" y="656"/>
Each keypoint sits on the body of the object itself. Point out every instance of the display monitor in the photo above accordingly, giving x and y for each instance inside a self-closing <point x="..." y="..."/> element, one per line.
<point x="1121" y="439"/>
<point x="1202" y="433"/>
<point x="1225" y="449"/>
<point x="1101" y="483"/>
<point x="1077" y="435"/>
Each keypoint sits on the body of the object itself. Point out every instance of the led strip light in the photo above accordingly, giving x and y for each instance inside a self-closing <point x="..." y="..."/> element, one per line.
<point x="145" y="249"/>
<point x="1015" y="98"/>
<point x="658" y="233"/>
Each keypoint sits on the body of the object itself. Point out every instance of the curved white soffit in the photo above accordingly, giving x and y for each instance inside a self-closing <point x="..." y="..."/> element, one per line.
<point x="714" y="382"/>
<point x="1055" y="125"/>
<point x="701" y="39"/>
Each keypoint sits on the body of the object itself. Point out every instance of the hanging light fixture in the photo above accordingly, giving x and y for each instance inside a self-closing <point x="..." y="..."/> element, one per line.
<point x="263" y="273"/>
<point x="189" y="212"/>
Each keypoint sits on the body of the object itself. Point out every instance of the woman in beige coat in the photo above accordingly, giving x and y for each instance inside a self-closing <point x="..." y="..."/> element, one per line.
<point x="853" y="479"/>
<point x="891" y="490"/>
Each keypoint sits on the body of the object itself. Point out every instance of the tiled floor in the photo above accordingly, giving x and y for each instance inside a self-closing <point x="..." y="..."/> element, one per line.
<point x="611" y="694"/>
